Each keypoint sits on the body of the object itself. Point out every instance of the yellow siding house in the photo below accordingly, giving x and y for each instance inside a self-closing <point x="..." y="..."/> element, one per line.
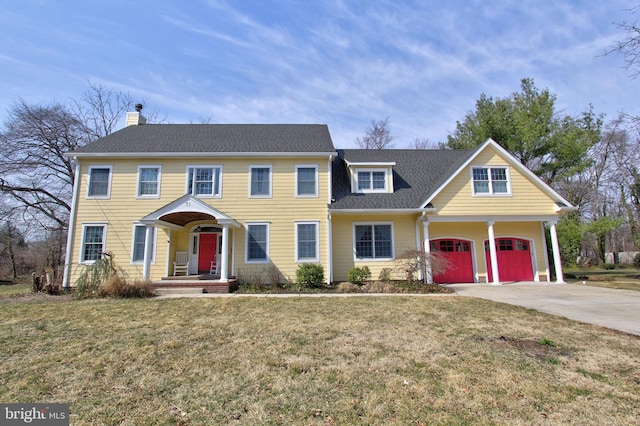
<point x="251" y="202"/>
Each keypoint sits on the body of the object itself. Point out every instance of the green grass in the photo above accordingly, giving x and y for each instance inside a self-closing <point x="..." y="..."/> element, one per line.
<point x="365" y="360"/>
<point x="623" y="278"/>
<point x="15" y="289"/>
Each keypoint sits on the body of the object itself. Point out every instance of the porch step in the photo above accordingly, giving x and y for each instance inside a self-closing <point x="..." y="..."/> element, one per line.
<point x="179" y="290"/>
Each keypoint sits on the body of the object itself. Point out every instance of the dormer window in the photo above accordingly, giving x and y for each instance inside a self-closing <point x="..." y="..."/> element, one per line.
<point x="371" y="177"/>
<point x="372" y="181"/>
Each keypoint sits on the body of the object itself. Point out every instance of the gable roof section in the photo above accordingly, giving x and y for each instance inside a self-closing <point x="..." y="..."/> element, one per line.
<point x="416" y="175"/>
<point x="221" y="139"/>
<point x="184" y="210"/>
<point x="561" y="202"/>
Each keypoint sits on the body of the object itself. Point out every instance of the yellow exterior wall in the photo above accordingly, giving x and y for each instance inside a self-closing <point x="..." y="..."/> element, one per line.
<point x="526" y="198"/>
<point x="404" y="235"/>
<point x="122" y="210"/>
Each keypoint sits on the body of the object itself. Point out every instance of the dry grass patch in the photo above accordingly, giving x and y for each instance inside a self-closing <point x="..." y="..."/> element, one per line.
<point x="316" y="361"/>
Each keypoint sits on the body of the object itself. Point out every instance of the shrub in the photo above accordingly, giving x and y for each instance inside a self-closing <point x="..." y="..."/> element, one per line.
<point x="95" y="274"/>
<point x="636" y="260"/>
<point x="385" y="275"/>
<point x="358" y="276"/>
<point x="380" y="287"/>
<point x="347" y="287"/>
<point x="117" y="286"/>
<point x="309" y="275"/>
<point x="608" y="266"/>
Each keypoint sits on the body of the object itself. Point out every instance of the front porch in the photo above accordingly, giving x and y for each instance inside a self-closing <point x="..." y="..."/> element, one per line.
<point x="208" y="283"/>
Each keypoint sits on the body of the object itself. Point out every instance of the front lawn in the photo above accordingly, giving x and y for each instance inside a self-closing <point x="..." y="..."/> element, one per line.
<point x="325" y="361"/>
<point x="623" y="278"/>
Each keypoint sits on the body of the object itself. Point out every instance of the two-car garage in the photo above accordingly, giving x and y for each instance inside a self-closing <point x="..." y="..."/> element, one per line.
<point x="513" y="255"/>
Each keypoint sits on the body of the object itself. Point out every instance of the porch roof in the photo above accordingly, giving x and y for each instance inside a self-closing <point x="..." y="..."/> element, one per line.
<point x="184" y="210"/>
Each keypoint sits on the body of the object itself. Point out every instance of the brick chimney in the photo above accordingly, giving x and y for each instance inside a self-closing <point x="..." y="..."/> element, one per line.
<point x="136" y="118"/>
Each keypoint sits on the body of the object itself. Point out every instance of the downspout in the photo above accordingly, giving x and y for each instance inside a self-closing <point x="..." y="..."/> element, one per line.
<point x="329" y="222"/>
<point x="418" y="243"/>
<point x="330" y="247"/>
<point x="72" y="226"/>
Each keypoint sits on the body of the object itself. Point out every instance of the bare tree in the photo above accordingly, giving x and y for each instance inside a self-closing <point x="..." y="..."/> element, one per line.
<point x="100" y="109"/>
<point x="34" y="172"/>
<point x="378" y="136"/>
<point x="36" y="178"/>
<point x="630" y="46"/>
<point x="423" y="143"/>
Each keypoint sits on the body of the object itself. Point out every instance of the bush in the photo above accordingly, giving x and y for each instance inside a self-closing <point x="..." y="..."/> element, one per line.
<point x="358" y="276"/>
<point x="347" y="287"/>
<point x="636" y="260"/>
<point x="385" y="275"/>
<point x="380" y="287"/>
<point x="309" y="275"/>
<point x="116" y="286"/>
<point x="95" y="274"/>
<point x="608" y="266"/>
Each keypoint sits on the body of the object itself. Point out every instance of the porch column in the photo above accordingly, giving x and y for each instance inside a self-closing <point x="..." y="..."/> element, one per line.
<point x="493" y="254"/>
<point x="427" y="249"/>
<point x="557" y="262"/>
<point x="148" y="251"/>
<point x="224" y="267"/>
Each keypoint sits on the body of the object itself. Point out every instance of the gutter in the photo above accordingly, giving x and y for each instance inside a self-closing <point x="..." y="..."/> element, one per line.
<point x="197" y="154"/>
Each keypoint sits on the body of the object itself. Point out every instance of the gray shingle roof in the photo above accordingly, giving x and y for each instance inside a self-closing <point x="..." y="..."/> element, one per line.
<point x="416" y="175"/>
<point x="210" y="138"/>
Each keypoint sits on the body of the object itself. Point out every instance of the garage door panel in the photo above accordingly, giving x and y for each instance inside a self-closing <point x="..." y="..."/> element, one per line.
<point x="459" y="258"/>
<point x="514" y="259"/>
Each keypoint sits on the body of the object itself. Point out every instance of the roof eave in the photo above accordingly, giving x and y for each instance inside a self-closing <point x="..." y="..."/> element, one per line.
<point x="75" y="154"/>
<point x="383" y="211"/>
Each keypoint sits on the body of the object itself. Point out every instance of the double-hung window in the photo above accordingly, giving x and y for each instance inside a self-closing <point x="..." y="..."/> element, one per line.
<point x="306" y="181"/>
<point x="306" y="241"/>
<point x="93" y="242"/>
<point x="149" y="181"/>
<point x="204" y="180"/>
<point x="139" y="243"/>
<point x="258" y="242"/>
<point x="372" y="181"/>
<point x="490" y="180"/>
<point x="260" y="181"/>
<point x="373" y="241"/>
<point x="99" y="182"/>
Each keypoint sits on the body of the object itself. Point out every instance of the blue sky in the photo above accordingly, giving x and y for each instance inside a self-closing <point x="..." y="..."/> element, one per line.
<point x="423" y="64"/>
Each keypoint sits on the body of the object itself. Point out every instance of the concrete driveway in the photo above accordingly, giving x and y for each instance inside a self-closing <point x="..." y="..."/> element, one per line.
<point x="616" y="309"/>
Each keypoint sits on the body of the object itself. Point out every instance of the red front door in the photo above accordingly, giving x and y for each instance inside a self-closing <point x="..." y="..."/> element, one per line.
<point x="514" y="259"/>
<point x="459" y="259"/>
<point x="207" y="252"/>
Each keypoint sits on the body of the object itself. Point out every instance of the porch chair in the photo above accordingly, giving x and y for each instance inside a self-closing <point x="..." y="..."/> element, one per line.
<point x="181" y="264"/>
<point x="213" y="269"/>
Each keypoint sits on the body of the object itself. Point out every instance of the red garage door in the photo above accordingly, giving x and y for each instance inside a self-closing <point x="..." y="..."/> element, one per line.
<point x="458" y="255"/>
<point x="514" y="259"/>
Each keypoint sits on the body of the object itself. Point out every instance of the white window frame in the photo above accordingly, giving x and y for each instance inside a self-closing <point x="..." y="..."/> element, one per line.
<point x="89" y="181"/>
<point x="307" y="166"/>
<point x="133" y="244"/>
<point x="316" y="258"/>
<point x="213" y="186"/>
<point x="371" y="189"/>
<point x="491" y="193"/>
<point x="81" y="259"/>
<point x="246" y="245"/>
<point x="260" y="166"/>
<point x="373" y="259"/>
<point x="159" y="179"/>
